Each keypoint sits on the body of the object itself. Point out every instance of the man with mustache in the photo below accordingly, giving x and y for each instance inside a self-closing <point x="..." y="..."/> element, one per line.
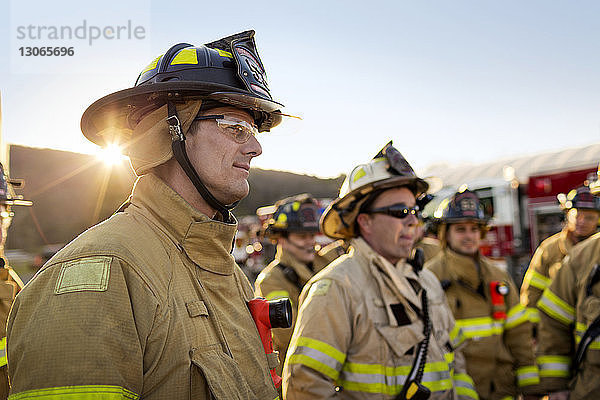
<point x="582" y="211"/>
<point x="485" y="303"/>
<point x="371" y="325"/>
<point x="294" y="225"/>
<point x="150" y="303"/>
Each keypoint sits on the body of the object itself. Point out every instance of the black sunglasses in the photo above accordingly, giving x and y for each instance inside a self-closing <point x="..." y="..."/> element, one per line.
<point x="397" y="211"/>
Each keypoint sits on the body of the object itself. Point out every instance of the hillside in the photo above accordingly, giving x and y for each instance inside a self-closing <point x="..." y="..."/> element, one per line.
<point x="66" y="187"/>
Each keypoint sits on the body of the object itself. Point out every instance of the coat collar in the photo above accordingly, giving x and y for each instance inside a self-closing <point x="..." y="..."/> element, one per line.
<point x="206" y="242"/>
<point x="287" y="259"/>
<point x="396" y="276"/>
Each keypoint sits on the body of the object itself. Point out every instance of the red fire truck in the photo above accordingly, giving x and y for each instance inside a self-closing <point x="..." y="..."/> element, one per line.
<point x="519" y="196"/>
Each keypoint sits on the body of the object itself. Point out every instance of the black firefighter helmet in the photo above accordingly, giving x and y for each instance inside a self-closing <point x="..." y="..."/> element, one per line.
<point x="227" y="71"/>
<point x="463" y="206"/>
<point x="296" y="214"/>
<point x="580" y="198"/>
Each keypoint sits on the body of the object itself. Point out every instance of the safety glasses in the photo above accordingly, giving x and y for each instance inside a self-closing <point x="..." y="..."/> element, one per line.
<point x="239" y="131"/>
<point x="400" y="211"/>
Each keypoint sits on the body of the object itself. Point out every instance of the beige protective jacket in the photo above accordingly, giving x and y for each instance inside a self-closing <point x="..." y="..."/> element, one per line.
<point x="498" y="353"/>
<point x="273" y="283"/>
<point x="358" y="327"/>
<point x="544" y="265"/>
<point x="430" y="246"/>
<point x="567" y="308"/>
<point x="10" y="285"/>
<point x="148" y="304"/>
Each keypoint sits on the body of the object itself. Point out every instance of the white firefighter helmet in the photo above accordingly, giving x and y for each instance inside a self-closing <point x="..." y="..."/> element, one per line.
<point x="386" y="170"/>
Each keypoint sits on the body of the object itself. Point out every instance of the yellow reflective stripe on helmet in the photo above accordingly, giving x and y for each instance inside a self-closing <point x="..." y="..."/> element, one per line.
<point x="528" y="375"/>
<point x="464" y="386"/>
<point x="359" y="174"/>
<point x="479" y="327"/>
<point x="152" y="65"/>
<point x="3" y="360"/>
<point x="580" y="329"/>
<point x="88" y="392"/>
<point x="554" y="366"/>
<point x="186" y="56"/>
<point x="224" y="53"/>
<point x="516" y="316"/>
<point x="533" y="315"/>
<point x="556" y="307"/>
<point x="538" y="280"/>
<point x="376" y="378"/>
<point x="317" y="355"/>
<point x="277" y="294"/>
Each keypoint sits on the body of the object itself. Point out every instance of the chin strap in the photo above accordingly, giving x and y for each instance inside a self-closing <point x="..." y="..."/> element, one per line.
<point x="178" y="146"/>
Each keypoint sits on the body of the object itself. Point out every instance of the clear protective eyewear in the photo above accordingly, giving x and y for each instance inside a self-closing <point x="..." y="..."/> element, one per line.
<point x="239" y="131"/>
<point x="400" y="211"/>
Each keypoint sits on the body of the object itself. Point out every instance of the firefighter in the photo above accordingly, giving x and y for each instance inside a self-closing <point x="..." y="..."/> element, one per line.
<point x="293" y="226"/>
<point x="150" y="303"/>
<point x="569" y="329"/>
<point x="371" y="325"/>
<point x="485" y="303"/>
<point x="10" y="283"/>
<point x="582" y="215"/>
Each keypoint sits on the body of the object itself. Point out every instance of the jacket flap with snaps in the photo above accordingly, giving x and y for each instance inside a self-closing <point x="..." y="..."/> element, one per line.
<point x="401" y="339"/>
<point x="222" y="374"/>
<point x="7" y="290"/>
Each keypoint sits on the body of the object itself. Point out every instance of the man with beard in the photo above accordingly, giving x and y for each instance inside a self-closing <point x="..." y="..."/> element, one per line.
<point x="293" y="226"/>
<point x="371" y="325"/>
<point x="485" y="304"/>
<point x="582" y="214"/>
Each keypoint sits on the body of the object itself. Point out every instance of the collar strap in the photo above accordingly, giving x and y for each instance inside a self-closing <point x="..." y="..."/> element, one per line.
<point x="178" y="147"/>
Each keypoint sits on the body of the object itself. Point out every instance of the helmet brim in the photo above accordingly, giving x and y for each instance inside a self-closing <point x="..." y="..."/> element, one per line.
<point x="109" y="113"/>
<point x="337" y="226"/>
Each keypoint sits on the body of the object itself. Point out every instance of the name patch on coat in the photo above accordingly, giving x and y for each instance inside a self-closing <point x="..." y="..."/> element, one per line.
<point x="85" y="274"/>
<point x="320" y="288"/>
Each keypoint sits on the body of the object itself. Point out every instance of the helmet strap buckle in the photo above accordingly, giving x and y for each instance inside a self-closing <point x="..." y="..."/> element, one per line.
<point x="175" y="128"/>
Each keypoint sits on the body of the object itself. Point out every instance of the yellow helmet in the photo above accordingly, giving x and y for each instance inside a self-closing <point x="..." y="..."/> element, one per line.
<point x="388" y="169"/>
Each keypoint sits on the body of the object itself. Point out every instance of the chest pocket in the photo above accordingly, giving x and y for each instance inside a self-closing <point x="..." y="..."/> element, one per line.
<point x="217" y="375"/>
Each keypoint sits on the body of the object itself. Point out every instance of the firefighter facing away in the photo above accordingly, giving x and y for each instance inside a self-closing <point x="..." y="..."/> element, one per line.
<point x="10" y="283"/>
<point x="484" y="302"/>
<point x="150" y="303"/>
<point x="293" y="226"/>
<point x="371" y="325"/>
<point x="582" y="210"/>
<point x="569" y="329"/>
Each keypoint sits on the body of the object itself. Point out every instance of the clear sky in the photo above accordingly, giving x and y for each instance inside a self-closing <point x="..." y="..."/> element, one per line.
<point x="448" y="81"/>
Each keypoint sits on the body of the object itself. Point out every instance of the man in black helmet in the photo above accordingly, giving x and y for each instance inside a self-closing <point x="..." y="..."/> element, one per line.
<point x="150" y="303"/>
<point x="294" y="225"/>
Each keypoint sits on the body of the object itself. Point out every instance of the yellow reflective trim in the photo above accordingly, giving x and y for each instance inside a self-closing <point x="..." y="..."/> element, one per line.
<point x="88" y="392"/>
<point x="224" y="53"/>
<point x="556" y="307"/>
<point x="186" y="56"/>
<point x="538" y="280"/>
<point x="465" y="386"/>
<point x="554" y="366"/>
<point x="277" y="294"/>
<point x="449" y="357"/>
<point x="580" y="329"/>
<point x="152" y="65"/>
<point x="379" y="387"/>
<point x="359" y="368"/>
<point x="322" y="347"/>
<point x="528" y="375"/>
<point x="457" y="336"/>
<point x="516" y="316"/>
<point x="296" y="205"/>
<point x="314" y="364"/>
<point x="359" y="174"/>
<point x="480" y="327"/>
<point x="533" y="315"/>
<point x="3" y="360"/>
